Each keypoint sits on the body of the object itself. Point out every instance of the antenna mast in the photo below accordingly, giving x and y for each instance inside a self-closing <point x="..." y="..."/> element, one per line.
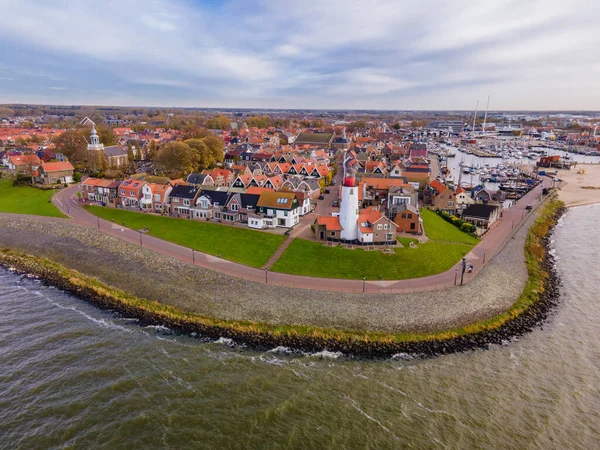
<point x="485" y="117"/>
<point x="475" y="116"/>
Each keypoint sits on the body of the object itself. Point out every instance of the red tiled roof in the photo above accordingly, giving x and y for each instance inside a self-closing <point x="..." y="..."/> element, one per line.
<point x="57" y="166"/>
<point x="331" y="223"/>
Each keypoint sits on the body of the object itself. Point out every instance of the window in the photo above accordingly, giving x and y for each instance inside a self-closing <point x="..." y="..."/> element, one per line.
<point x="282" y="200"/>
<point x="285" y="213"/>
<point x="234" y="207"/>
<point x="410" y="216"/>
<point x="122" y="192"/>
<point x="379" y="227"/>
<point x="131" y="193"/>
<point x="333" y="234"/>
<point x="186" y="202"/>
<point x="450" y="203"/>
<point x="204" y="204"/>
<point x="364" y="224"/>
<point x="157" y="197"/>
<point x="404" y="215"/>
<point x="412" y="226"/>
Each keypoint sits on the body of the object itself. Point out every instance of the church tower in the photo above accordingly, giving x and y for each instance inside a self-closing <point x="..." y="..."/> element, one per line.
<point x="349" y="205"/>
<point x="95" y="141"/>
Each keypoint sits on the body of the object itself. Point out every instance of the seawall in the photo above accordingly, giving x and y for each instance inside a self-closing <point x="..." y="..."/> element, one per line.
<point x="376" y="343"/>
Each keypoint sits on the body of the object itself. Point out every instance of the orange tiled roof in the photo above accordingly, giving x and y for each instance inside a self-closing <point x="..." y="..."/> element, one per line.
<point x="331" y="223"/>
<point x="57" y="166"/>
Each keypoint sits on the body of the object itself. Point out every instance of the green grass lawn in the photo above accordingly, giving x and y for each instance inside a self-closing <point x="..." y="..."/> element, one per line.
<point x="407" y="241"/>
<point x="242" y="245"/>
<point x="310" y="258"/>
<point x="438" y="229"/>
<point x="26" y="200"/>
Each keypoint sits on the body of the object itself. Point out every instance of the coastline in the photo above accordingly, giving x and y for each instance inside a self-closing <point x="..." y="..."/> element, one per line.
<point x="572" y="191"/>
<point x="538" y="298"/>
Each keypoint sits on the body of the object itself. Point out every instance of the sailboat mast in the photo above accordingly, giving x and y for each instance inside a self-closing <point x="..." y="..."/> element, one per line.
<point x="475" y="116"/>
<point x="486" y="110"/>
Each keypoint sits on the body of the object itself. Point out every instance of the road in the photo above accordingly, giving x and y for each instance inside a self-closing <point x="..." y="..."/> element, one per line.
<point x="67" y="201"/>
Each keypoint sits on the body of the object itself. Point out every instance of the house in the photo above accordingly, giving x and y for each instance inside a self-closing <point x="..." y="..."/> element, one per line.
<point x="305" y="203"/>
<point x="55" y="172"/>
<point x="155" y="197"/>
<point x="130" y="193"/>
<point x="375" y="227"/>
<point x="221" y="177"/>
<point x="314" y="139"/>
<point x="181" y="198"/>
<point x="328" y="228"/>
<point x="309" y="186"/>
<point x="238" y="206"/>
<point x="98" y="190"/>
<point x="275" y="182"/>
<point x="200" y="179"/>
<point x="23" y="163"/>
<point x="482" y="215"/>
<point x="243" y="181"/>
<point x="463" y="199"/>
<point x="208" y="204"/>
<point x="407" y="219"/>
<point x="440" y="197"/>
<point x="275" y="209"/>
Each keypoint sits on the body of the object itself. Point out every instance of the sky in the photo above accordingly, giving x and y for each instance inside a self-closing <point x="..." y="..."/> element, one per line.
<point x="342" y="54"/>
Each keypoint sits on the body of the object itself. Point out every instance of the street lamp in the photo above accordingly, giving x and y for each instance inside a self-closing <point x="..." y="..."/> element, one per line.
<point x="364" y="283"/>
<point x="98" y="222"/>
<point x="141" y="243"/>
<point x="464" y="268"/>
<point x="266" y="276"/>
<point x="193" y="257"/>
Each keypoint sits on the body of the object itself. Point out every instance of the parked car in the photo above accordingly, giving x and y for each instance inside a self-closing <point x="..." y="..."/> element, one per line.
<point x="327" y="191"/>
<point x="321" y="197"/>
<point x="336" y="203"/>
<point x="529" y="207"/>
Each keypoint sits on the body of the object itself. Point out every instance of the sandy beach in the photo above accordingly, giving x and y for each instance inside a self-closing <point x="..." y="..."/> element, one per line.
<point x="580" y="188"/>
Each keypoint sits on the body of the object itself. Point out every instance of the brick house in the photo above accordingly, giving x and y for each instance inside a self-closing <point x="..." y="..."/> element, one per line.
<point x="55" y="172"/>
<point x="99" y="190"/>
<point x="130" y="194"/>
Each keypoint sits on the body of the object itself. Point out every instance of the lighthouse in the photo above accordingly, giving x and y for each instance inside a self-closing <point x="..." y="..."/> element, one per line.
<point x="349" y="205"/>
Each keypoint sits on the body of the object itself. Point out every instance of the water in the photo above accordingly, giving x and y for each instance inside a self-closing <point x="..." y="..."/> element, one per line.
<point x="74" y="376"/>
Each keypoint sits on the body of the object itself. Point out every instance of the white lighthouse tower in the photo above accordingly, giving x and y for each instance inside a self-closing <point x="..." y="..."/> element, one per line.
<point x="349" y="205"/>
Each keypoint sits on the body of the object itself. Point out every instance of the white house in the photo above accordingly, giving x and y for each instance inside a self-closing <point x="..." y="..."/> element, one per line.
<point x="275" y="209"/>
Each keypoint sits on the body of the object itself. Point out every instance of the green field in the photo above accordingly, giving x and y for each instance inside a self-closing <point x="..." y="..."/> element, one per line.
<point x="314" y="259"/>
<point x="242" y="245"/>
<point x="26" y="200"/>
<point x="438" y="229"/>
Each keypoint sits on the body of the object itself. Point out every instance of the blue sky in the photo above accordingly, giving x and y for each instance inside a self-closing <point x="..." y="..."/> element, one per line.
<point x="533" y="54"/>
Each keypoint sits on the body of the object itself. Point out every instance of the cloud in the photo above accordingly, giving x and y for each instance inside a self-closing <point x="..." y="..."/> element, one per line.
<point x="315" y="53"/>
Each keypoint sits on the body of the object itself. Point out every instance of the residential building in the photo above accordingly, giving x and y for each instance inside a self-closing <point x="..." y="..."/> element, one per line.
<point x="181" y="198"/>
<point x="275" y="209"/>
<point x="55" y="173"/>
<point x="130" y="193"/>
<point x="482" y="215"/>
<point x="99" y="190"/>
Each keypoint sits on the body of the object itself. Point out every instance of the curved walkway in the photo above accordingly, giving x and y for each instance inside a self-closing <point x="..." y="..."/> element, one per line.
<point x="492" y="243"/>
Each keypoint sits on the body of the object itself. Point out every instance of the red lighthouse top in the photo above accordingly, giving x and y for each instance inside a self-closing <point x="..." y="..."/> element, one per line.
<point x="349" y="180"/>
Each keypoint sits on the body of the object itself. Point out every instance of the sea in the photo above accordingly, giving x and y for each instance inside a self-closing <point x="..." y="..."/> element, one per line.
<point x="75" y="376"/>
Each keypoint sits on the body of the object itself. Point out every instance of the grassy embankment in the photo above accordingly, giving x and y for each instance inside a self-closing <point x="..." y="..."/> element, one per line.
<point x="446" y="246"/>
<point x="120" y="300"/>
<point x="26" y="200"/>
<point x="241" y="245"/>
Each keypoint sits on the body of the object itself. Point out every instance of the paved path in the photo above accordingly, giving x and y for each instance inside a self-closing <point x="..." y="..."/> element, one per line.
<point x="492" y="243"/>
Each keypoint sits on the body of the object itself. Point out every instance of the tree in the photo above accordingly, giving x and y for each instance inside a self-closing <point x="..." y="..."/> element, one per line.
<point x="106" y="135"/>
<point x="397" y="126"/>
<point x="72" y="144"/>
<point x="218" y="123"/>
<point x="153" y="151"/>
<point x="130" y="155"/>
<point x="203" y="153"/>
<point x="215" y="146"/>
<point x="177" y="158"/>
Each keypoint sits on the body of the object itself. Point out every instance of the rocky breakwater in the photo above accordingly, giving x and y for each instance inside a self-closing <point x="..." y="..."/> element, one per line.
<point x="533" y="307"/>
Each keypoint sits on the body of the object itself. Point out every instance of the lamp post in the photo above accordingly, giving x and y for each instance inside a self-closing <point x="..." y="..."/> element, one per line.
<point x="193" y="257"/>
<point x="141" y="243"/>
<point x="464" y="268"/>
<point x="364" y="283"/>
<point x="98" y="222"/>
<point x="455" y="276"/>
<point x="266" y="276"/>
